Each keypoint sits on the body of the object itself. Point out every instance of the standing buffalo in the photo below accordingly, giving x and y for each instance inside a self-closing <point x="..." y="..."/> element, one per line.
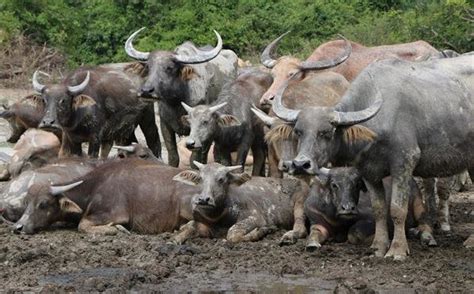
<point x="247" y="208"/>
<point x="412" y="119"/>
<point x="101" y="108"/>
<point x="22" y="115"/>
<point x="286" y="67"/>
<point x="229" y="123"/>
<point x="189" y="74"/>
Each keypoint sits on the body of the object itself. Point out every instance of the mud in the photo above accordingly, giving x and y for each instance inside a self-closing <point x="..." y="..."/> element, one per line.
<point x="63" y="260"/>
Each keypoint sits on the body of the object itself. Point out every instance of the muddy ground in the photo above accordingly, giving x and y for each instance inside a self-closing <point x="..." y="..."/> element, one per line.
<point x="62" y="259"/>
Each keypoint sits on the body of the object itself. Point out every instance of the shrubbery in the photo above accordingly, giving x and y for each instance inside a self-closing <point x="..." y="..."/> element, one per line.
<point x="92" y="31"/>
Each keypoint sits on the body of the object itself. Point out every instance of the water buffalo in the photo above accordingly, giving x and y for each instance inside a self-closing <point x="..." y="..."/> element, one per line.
<point x="34" y="149"/>
<point x="412" y="118"/>
<point x="189" y="74"/>
<point x="285" y="67"/>
<point x="339" y="208"/>
<point x="22" y="115"/>
<point x="12" y="200"/>
<point x="229" y="123"/>
<point x="101" y="108"/>
<point x="246" y="208"/>
<point x="111" y="198"/>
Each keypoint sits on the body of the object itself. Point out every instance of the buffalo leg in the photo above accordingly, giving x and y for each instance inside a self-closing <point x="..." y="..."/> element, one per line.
<point x="69" y="147"/>
<point x="318" y="234"/>
<point x="299" y="225"/>
<point x="377" y="197"/>
<point x="247" y="230"/>
<point x="170" y="141"/>
<point x="94" y="147"/>
<point x="429" y="187"/>
<point x="423" y="228"/>
<point x="223" y="155"/>
<point x="89" y="227"/>
<point x="401" y="177"/>
<point x="199" y="155"/>
<point x="258" y="152"/>
<point x="150" y="130"/>
<point x="105" y="148"/>
<point x="190" y="230"/>
<point x="443" y="188"/>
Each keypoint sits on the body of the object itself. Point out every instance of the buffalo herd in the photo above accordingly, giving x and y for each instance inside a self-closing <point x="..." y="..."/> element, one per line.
<point x="356" y="143"/>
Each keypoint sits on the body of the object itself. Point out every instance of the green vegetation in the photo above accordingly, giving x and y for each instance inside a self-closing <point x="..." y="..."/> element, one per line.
<point x="94" y="31"/>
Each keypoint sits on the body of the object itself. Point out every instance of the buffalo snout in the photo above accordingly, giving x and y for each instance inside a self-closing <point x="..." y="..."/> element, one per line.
<point x="147" y="92"/>
<point x="301" y="165"/>
<point x="205" y="200"/>
<point x="348" y="209"/>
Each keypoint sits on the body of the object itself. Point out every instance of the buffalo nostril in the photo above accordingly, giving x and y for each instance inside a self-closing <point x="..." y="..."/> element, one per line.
<point x="271" y="98"/>
<point x="190" y="143"/>
<point x="301" y="164"/>
<point x="18" y="227"/>
<point x="307" y="165"/>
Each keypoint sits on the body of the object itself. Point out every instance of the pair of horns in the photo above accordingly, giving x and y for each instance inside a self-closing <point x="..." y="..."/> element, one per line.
<point x="215" y="108"/>
<point x="269" y="62"/>
<point x="74" y="90"/>
<point x="339" y="119"/>
<point x="200" y="56"/>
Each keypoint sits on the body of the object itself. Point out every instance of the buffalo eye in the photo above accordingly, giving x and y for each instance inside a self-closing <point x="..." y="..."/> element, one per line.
<point x="298" y="132"/>
<point x="334" y="186"/>
<point x="62" y="101"/>
<point x="142" y="156"/>
<point x="205" y="122"/>
<point x="43" y="205"/>
<point x="221" y="180"/>
<point x="325" y="133"/>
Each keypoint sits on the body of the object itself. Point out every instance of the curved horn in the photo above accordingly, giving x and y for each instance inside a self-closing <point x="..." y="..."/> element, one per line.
<point x="79" y="88"/>
<point x="132" y="52"/>
<point x="129" y="148"/>
<point x="56" y="190"/>
<point x="232" y="168"/>
<point x="37" y="86"/>
<point x="201" y="55"/>
<point x="355" y="117"/>
<point x="187" y="107"/>
<point x="280" y="110"/>
<point x="198" y="164"/>
<point x="217" y="107"/>
<point x="323" y="64"/>
<point x="267" y="120"/>
<point x="265" y="57"/>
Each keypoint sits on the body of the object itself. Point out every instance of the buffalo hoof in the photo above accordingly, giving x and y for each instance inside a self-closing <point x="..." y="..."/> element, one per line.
<point x="398" y="252"/>
<point x="122" y="229"/>
<point x="428" y="239"/>
<point x="445" y="227"/>
<point x="312" y="246"/>
<point x="469" y="243"/>
<point x="288" y="238"/>
<point x="380" y="247"/>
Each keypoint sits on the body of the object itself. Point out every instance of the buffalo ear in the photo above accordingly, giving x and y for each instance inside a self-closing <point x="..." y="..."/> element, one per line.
<point x="358" y="133"/>
<point x="69" y="206"/>
<point x="83" y="101"/>
<point x="227" y="120"/>
<point x="239" y="179"/>
<point x="189" y="177"/>
<point x="187" y="73"/>
<point x="33" y="100"/>
<point x="185" y="120"/>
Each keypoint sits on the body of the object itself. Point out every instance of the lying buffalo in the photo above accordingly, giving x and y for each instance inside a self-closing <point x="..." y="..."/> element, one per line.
<point x="247" y="208"/>
<point x="229" y="123"/>
<point x="112" y="198"/>
<point x="34" y="149"/>
<point x="98" y="105"/>
<point x="416" y="119"/>
<point x="287" y="67"/>
<point x="189" y="74"/>
<point x="339" y="208"/>
<point x="22" y="115"/>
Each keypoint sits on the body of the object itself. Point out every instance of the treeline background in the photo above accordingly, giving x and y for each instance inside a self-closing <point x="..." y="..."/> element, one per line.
<point x="94" y="31"/>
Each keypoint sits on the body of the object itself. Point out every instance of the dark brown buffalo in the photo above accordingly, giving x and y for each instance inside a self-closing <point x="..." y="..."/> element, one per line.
<point x="98" y="105"/>
<point x="229" y="123"/>
<point x="338" y="207"/>
<point x="188" y="74"/>
<point x="285" y="67"/>
<point x="129" y="193"/>
<point x="246" y="208"/>
<point x="22" y="115"/>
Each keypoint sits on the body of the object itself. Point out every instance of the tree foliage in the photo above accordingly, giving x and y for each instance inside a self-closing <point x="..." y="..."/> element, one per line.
<point x="92" y="31"/>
